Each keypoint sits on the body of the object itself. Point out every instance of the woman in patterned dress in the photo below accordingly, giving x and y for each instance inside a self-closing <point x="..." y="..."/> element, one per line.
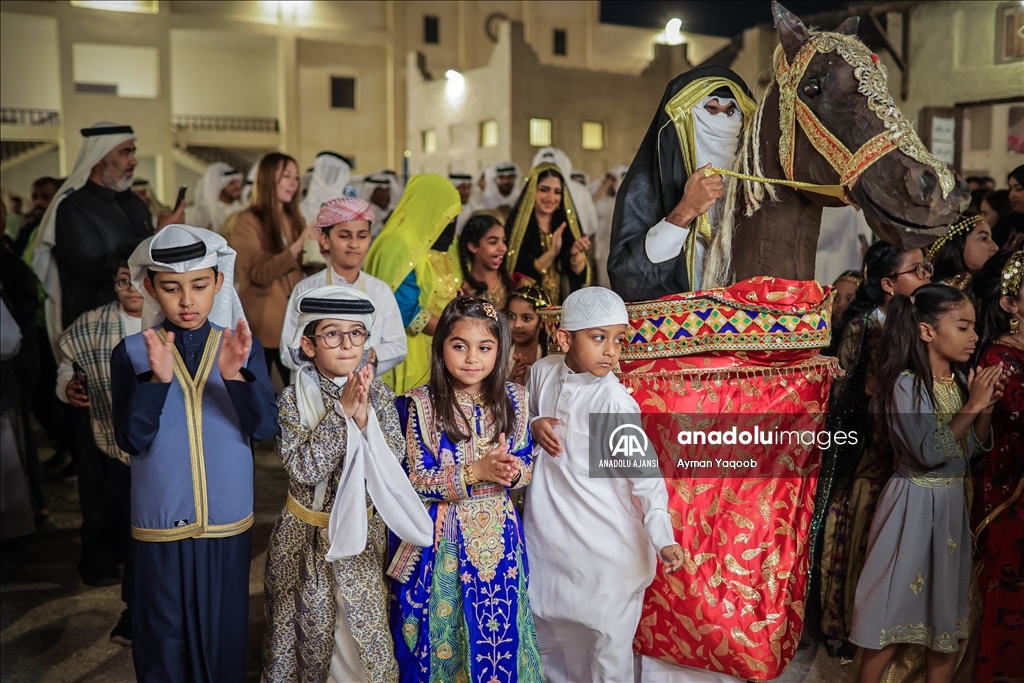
<point x="998" y="511"/>
<point x="326" y="592"/>
<point x="917" y="574"/>
<point x="461" y="611"/>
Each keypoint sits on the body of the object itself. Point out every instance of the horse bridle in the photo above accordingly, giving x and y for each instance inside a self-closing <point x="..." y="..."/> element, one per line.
<point x="872" y="78"/>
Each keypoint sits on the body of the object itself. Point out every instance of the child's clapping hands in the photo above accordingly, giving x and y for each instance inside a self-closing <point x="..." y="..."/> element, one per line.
<point x="498" y="465"/>
<point x="356" y="395"/>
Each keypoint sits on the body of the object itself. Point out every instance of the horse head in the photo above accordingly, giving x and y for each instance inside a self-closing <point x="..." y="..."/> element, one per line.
<point x="828" y="119"/>
<point x="838" y="124"/>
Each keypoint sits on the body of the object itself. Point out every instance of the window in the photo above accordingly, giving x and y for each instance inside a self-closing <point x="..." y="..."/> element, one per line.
<point x="429" y="141"/>
<point x="123" y="70"/>
<point x="489" y="133"/>
<point x="560" y="48"/>
<point x="593" y="135"/>
<point x="1010" y="33"/>
<point x="431" y="30"/>
<point x="343" y="92"/>
<point x="540" y="132"/>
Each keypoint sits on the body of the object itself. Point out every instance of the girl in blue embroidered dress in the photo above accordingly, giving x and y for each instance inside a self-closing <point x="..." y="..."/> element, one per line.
<point x="461" y="611"/>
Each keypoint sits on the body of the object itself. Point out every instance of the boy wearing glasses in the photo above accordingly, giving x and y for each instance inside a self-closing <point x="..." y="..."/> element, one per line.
<point x="344" y="225"/>
<point x="188" y="396"/>
<point x="83" y="380"/>
<point x="340" y="440"/>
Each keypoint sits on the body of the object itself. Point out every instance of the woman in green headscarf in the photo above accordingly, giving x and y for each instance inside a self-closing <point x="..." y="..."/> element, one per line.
<point x="545" y="244"/>
<point x="416" y="255"/>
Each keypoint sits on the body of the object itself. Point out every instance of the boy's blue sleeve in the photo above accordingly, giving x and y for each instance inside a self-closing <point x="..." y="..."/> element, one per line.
<point x="254" y="398"/>
<point x="408" y="297"/>
<point x="136" y="403"/>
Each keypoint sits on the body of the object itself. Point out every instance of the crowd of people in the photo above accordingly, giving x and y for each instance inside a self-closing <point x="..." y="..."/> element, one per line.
<point x="422" y="396"/>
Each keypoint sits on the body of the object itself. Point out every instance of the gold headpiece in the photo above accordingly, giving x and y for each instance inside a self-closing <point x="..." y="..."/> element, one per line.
<point x="489" y="310"/>
<point x="851" y="276"/>
<point x="1009" y="281"/>
<point x="533" y="294"/>
<point x="961" y="227"/>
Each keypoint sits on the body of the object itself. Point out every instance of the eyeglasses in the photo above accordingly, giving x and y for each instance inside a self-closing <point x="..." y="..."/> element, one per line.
<point x="923" y="271"/>
<point x="335" y="338"/>
<point x="122" y="283"/>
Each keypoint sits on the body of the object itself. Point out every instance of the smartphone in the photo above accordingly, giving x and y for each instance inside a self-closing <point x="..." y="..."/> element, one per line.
<point x="79" y="376"/>
<point x="181" y="196"/>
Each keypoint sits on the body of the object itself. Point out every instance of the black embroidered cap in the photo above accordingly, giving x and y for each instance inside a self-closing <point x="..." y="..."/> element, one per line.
<point x="336" y="306"/>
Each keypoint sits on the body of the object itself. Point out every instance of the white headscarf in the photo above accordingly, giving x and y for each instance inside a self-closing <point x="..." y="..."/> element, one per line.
<point x="210" y="210"/>
<point x="586" y="213"/>
<point x="330" y="176"/>
<point x="209" y="250"/>
<point x="491" y="198"/>
<point x="250" y="183"/>
<point x="619" y="172"/>
<point x="96" y="144"/>
<point x="370" y="467"/>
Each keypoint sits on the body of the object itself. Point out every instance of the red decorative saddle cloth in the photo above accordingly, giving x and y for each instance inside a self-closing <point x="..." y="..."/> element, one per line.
<point x="744" y="361"/>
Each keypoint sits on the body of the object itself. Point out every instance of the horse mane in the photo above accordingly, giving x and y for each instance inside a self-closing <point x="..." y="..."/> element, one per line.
<point x="718" y="260"/>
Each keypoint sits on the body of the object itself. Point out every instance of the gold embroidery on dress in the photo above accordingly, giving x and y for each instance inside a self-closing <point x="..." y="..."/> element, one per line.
<point x="951" y="544"/>
<point x="918" y="584"/>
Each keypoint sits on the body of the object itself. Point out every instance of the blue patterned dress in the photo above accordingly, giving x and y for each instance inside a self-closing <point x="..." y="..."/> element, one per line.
<point x="461" y="611"/>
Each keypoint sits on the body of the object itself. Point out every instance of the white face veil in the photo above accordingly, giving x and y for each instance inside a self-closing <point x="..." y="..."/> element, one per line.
<point x="717" y="135"/>
<point x="331" y="174"/>
<point x="98" y="141"/>
<point x="181" y="249"/>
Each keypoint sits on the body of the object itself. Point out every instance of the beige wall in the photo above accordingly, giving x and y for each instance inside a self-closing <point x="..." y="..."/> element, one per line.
<point x="625" y="104"/>
<point x="362" y="132"/>
<point x="218" y="73"/>
<point x="19" y="179"/>
<point x="456" y="117"/>
<point x="31" y="62"/>
<point x="984" y="142"/>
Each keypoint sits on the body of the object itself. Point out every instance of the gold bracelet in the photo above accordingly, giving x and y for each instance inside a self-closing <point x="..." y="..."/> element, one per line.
<point x="468" y="477"/>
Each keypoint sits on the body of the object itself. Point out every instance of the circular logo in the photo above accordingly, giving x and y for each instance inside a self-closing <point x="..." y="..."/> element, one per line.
<point x="628" y="439"/>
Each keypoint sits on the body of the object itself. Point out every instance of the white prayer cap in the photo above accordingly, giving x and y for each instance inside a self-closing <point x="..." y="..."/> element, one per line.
<point x="98" y="141"/>
<point x="336" y="302"/>
<point x="181" y="249"/>
<point x="593" y="307"/>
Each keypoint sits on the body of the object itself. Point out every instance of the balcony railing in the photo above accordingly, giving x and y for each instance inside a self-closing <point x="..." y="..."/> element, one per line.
<point x="236" y="124"/>
<point x="30" y="117"/>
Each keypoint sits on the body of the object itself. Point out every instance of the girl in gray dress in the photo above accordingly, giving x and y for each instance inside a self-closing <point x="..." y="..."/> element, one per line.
<point x="917" y="574"/>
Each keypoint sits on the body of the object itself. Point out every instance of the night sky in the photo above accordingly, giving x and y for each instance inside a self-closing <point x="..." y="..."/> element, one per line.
<point x="720" y="18"/>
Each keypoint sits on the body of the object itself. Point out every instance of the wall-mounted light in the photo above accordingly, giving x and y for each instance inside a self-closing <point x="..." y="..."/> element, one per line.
<point x="455" y="88"/>
<point x="287" y="11"/>
<point x="673" y="34"/>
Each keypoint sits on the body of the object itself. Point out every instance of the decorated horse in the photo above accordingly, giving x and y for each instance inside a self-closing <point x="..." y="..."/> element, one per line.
<point x="743" y="359"/>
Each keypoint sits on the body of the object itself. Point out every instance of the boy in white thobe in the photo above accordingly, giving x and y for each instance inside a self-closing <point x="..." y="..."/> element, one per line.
<point x="592" y="542"/>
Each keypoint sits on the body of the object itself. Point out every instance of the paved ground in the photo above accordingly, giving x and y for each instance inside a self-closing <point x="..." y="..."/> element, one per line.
<point x="54" y="629"/>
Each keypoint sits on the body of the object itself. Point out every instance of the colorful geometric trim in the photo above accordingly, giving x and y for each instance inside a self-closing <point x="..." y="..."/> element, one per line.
<point x="718" y="320"/>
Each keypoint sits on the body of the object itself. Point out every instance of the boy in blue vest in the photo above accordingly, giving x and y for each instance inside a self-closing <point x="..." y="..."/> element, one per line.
<point x="188" y="396"/>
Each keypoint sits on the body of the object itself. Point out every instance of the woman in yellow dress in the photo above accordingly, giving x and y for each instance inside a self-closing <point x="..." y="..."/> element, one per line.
<point x="417" y="256"/>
